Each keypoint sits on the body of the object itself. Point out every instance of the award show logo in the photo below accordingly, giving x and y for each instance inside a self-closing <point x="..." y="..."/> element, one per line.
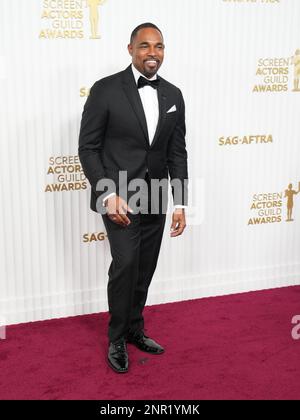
<point x="268" y="207"/>
<point x="67" y="174"/>
<point x="70" y="19"/>
<point x="89" y="238"/>
<point x="84" y="92"/>
<point x="275" y="74"/>
<point x="245" y="140"/>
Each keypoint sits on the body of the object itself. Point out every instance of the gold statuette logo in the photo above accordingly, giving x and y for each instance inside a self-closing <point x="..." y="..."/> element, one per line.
<point x="289" y="194"/>
<point x="94" y="17"/>
<point x="296" y="63"/>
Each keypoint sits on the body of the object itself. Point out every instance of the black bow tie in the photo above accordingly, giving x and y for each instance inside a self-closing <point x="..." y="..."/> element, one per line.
<point x="146" y="82"/>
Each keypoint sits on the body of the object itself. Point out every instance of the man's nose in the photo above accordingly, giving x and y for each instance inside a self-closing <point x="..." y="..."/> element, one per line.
<point x="152" y="51"/>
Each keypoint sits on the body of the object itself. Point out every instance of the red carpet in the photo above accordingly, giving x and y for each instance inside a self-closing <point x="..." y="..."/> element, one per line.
<point x="232" y="347"/>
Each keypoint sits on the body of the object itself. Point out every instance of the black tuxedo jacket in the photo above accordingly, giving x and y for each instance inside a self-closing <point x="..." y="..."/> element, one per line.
<point x="114" y="136"/>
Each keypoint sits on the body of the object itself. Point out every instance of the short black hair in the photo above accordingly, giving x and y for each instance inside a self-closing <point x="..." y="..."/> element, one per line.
<point x="142" y="26"/>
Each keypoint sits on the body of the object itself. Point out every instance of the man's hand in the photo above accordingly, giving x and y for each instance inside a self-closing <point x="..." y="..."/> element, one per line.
<point x="117" y="209"/>
<point x="178" y="223"/>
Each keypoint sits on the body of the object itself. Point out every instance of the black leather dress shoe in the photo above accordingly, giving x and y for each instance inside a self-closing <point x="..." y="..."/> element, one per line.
<point x="144" y="343"/>
<point x="118" y="356"/>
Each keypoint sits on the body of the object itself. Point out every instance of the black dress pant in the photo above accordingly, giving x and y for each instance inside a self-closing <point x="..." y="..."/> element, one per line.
<point x="135" y="250"/>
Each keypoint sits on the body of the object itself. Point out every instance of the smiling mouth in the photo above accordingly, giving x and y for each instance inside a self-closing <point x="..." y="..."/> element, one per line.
<point x="152" y="62"/>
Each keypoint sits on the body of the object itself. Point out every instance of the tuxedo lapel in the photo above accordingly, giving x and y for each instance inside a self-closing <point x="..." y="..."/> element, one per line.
<point x="134" y="98"/>
<point x="162" y="100"/>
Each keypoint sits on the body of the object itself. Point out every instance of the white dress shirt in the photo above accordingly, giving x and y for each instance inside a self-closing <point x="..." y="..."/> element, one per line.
<point x="150" y="103"/>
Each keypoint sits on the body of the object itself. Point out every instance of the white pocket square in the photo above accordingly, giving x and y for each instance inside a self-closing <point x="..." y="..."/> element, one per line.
<point x="173" y="109"/>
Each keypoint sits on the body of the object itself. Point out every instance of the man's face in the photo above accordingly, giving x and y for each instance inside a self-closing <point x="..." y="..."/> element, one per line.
<point x="147" y="51"/>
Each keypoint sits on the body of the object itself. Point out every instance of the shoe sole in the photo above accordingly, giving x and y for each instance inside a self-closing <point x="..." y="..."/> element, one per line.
<point x="114" y="369"/>
<point x="145" y="351"/>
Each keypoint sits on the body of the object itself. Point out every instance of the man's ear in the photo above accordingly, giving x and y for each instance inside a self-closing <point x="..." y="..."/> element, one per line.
<point x="130" y="49"/>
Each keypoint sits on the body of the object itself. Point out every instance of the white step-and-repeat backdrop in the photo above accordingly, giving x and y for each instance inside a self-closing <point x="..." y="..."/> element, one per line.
<point x="238" y="65"/>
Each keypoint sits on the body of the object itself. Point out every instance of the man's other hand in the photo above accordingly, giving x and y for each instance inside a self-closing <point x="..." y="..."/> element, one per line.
<point x="178" y="223"/>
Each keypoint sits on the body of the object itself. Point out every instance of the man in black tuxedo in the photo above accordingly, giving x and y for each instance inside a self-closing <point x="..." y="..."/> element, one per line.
<point x="134" y="122"/>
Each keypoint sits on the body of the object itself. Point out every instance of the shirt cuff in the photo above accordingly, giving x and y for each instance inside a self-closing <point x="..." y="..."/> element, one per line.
<point x="178" y="206"/>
